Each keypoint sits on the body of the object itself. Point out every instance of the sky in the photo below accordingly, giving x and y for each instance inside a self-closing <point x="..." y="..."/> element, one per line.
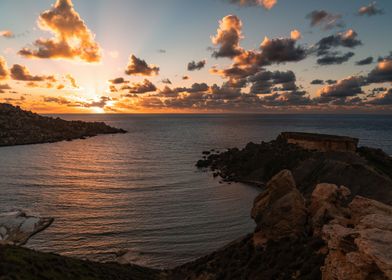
<point x="185" y="56"/>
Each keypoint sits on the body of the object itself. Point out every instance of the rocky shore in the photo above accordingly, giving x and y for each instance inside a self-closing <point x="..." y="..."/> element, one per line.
<point x="320" y="215"/>
<point x="19" y="127"/>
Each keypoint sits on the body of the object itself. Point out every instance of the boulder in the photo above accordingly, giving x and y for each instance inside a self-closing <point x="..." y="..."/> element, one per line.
<point x="280" y="210"/>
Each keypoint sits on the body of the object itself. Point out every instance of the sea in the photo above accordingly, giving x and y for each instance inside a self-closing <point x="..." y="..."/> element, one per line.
<point x="141" y="192"/>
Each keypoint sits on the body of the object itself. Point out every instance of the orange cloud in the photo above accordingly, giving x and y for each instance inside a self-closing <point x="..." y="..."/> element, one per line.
<point x="6" y="34"/>
<point x="267" y="4"/>
<point x="22" y="73"/>
<point x="140" y="67"/>
<point x="72" y="81"/>
<point x="296" y="35"/>
<point x="72" y="38"/>
<point x="4" y="72"/>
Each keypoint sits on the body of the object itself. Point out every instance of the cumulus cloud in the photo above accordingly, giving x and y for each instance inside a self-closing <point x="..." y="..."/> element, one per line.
<point x="140" y="67"/>
<point x="324" y="19"/>
<point x="295" y="35"/>
<point x="370" y="10"/>
<point x="365" y="61"/>
<point x="22" y="73"/>
<point x="348" y="87"/>
<point x="57" y="100"/>
<point x="144" y="87"/>
<point x="382" y="73"/>
<point x="267" y="4"/>
<point x="193" y="65"/>
<point x="6" y="34"/>
<point x="228" y="37"/>
<point x="266" y="81"/>
<point x="325" y="47"/>
<point x="4" y="72"/>
<point x="72" y="38"/>
<point x="281" y="50"/>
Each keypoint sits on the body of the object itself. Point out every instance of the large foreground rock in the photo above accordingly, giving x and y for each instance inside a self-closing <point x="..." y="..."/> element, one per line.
<point x="16" y="228"/>
<point x="280" y="210"/>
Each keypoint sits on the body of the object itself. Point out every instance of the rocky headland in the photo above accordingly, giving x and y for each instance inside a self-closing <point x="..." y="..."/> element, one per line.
<point x="320" y="215"/>
<point x="19" y="127"/>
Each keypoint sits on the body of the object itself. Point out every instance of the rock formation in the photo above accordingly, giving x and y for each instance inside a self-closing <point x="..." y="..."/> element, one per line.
<point x="16" y="228"/>
<point x="18" y="127"/>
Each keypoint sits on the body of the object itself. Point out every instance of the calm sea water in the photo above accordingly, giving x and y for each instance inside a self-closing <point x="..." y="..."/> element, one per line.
<point x="141" y="191"/>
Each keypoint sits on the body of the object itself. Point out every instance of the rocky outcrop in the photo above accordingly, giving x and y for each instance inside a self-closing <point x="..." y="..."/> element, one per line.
<point x="16" y="228"/>
<point x="280" y="210"/>
<point x="18" y="127"/>
<point x="367" y="172"/>
<point x="360" y="247"/>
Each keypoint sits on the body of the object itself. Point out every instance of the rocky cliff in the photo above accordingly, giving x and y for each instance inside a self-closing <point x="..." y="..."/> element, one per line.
<point x="19" y="127"/>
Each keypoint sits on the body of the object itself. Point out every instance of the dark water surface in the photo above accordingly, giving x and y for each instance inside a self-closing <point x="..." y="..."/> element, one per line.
<point x="141" y="191"/>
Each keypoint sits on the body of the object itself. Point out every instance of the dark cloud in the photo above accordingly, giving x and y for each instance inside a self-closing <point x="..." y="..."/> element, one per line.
<point x="21" y="73"/>
<point x="325" y="20"/>
<point x="382" y="73"/>
<point x="370" y="10"/>
<point x="365" y="61"/>
<point x="101" y="103"/>
<point x="166" y="81"/>
<point x="4" y="72"/>
<point x="335" y="58"/>
<point x="4" y="86"/>
<point x="384" y="99"/>
<point x="144" y="87"/>
<point x="267" y="4"/>
<point x="281" y="50"/>
<point x="331" y="82"/>
<point x="266" y="81"/>
<point x="228" y="37"/>
<point x="161" y="51"/>
<point x="317" y="82"/>
<point x="119" y="80"/>
<point x="57" y="100"/>
<point x="325" y="47"/>
<point x="186" y="77"/>
<point x="140" y="67"/>
<point x="72" y="38"/>
<point x="193" y="65"/>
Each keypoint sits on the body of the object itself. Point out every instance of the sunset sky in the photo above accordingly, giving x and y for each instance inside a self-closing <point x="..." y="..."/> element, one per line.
<point x="154" y="56"/>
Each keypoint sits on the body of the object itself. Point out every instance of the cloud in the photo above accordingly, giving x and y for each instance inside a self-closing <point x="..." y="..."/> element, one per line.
<point x="335" y="58"/>
<point x="140" y="67"/>
<point x="370" y="10"/>
<point x="281" y="50"/>
<point x="162" y="51"/>
<point x="384" y="99"/>
<point x="317" y="82"/>
<point x="365" y="61"/>
<point x="382" y="73"/>
<point x="166" y="81"/>
<point x="266" y="81"/>
<point x="7" y="34"/>
<point x="3" y="87"/>
<point x="22" y="73"/>
<point x="349" y="87"/>
<point x="57" y="100"/>
<point x="119" y="80"/>
<point x="228" y="37"/>
<point x="72" y="80"/>
<point x="101" y="103"/>
<point x="193" y="65"/>
<point x="295" y="35"/>
<point x="324" y="48"/>
<point x="144" y="87"/>
<point x="72" y="38"/>
<point x="325" y="20"/>
<point x="186" y="77"/>
<point x="267" y="4"/>
<point x="4" y="72"/>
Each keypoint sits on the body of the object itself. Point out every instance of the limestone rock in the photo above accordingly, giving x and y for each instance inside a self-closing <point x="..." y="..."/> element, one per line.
<point x="362" y="247"/>
<point x="280" y="210"/>
<point x="16" y="228"/>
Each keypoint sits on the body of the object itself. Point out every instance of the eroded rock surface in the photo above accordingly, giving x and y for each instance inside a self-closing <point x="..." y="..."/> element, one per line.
<point x="16" y="228"/>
